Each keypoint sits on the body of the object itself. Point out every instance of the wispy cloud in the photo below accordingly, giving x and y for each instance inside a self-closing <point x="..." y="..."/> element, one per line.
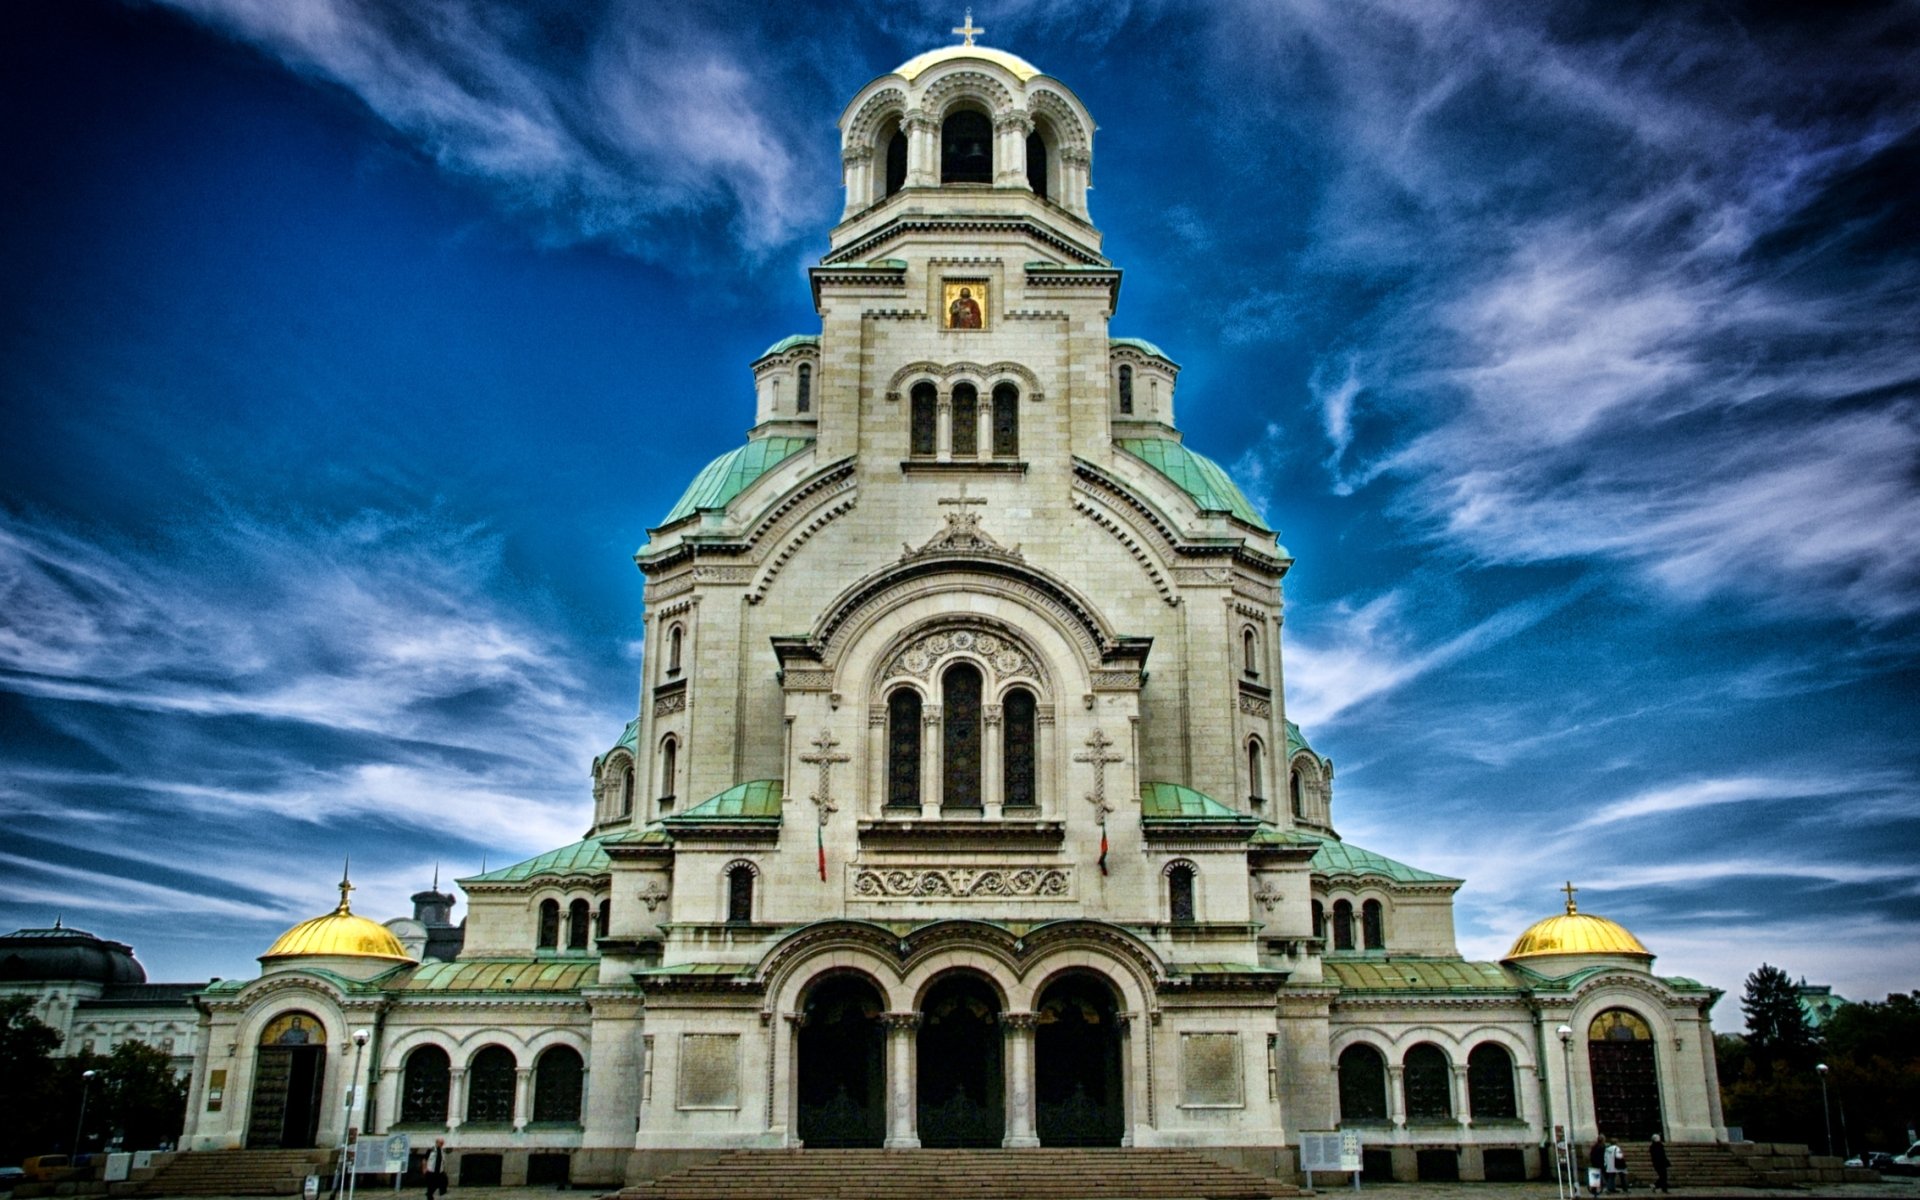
<point x="1741" y="789"/>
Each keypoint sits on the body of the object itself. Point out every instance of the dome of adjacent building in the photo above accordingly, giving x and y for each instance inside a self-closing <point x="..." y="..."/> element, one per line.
<point x="1574" y="932"/>
<point x="66" y="955"/>
<point x="338" y="934"/>
<point x="1013" y="64"/>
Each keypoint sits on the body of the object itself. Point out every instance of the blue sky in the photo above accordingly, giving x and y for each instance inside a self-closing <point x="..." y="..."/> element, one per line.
<point x="350" y="348"/>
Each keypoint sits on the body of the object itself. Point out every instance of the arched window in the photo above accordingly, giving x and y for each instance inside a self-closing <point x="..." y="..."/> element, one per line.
<point x="1342" y="925"/>
<point x="903" y="749"/>
<point x="1256" y="771"/>
<point x="896" y="161"/>
<point x="966" y="147"/>
<point x="1006" y="421"/>
<point x="578" y="917"/>
<point x="1428" y="1080"/>
<point x="1490" y="1083"/>
<point x="1250" y="652"/>
<point x="739" y="894"/>
<point x="1363" y="1085"/>
<point x="966" y="421"/>
<point x="675" y="637"/>
<point x="803" y="397"/>
<point x="549" y="934"/>
<point x="1126" y="390"/>
<point x="626" y="792"/>
<point x="556" y="1085"/>
<point x="1180" y="894"/>
<point x="603" y="919"/>
<point x="490" y="1087"/>
<point x="1017" y="749"/>
<point x="1037" y="164"/>
<point x="669" y="768"/>
<point x="1299" y="795"/>
<point x="1319" y="920"/>
<point x="924" y="435"/>
<point x="1373" y="926"/>
<point x="423" y="1089"/>
<point x="960" y="737"/>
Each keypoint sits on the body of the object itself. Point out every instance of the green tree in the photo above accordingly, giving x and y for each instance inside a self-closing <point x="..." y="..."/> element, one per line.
<point x="143" y="1101"/>
<point x="26" y="1078"/>
<point x="1777" y="1029"/>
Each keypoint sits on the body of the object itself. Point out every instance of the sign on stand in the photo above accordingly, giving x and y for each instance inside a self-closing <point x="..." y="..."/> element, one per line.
<point x="1329" y="1151"/>
<point x="385" y="1155"/>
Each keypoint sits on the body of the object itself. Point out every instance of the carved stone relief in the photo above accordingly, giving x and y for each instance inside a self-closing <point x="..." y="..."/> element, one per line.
<point x="920" y="656"/>
<point x="961" y="883"/>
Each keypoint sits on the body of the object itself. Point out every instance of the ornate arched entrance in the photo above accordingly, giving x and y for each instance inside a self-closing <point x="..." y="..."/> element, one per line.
<point x="842" y="1068"/>
<point x="1626" y="1079"/>
<point x="1077" y="1079"/>
<point x="961" y="1094"/>
<point x="289" y="1068"/>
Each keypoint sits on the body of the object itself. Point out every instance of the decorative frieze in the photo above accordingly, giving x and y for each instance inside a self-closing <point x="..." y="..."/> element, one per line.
<point x="1002" y="657"/>
<point x="1254" y="706"/>
<point x="1040" y="882"/>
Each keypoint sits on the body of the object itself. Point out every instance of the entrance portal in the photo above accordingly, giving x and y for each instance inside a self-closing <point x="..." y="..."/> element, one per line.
<point x="289" y="1066"/>
<point x="962" y="1101"/>
<point x="1626" y="1079"/>
<point x="842" y="1072"/>
<point x="1077" y="1064"/>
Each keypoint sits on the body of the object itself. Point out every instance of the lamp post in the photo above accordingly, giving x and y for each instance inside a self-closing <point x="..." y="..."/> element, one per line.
<point x="1566" y="1060"/>
<point x="1825" y="1110"/>
<point x="353" y="1095"/>
<point x="86" y="1077"/>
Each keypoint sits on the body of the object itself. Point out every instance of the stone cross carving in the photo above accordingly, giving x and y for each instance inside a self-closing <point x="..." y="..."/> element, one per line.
<point x="824" y="758"/>
<point x="652" y="895"/>
<point x="1098" y="754"/>
<point x="968" y="29"/>
<point x="1267" y="897"/>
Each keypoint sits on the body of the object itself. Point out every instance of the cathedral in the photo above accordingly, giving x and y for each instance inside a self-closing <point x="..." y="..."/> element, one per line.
<point x="961" y="808"/>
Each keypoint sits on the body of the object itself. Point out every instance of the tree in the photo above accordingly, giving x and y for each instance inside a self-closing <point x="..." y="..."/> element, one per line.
<point x="26" y="1078"/>
<point x="1777" y="1029"/>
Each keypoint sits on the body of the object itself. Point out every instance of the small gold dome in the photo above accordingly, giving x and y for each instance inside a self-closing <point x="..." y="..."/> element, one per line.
<point x="1013" y="64"/>
<point x="338" y="934"/>
<point x="1575" y="932"/>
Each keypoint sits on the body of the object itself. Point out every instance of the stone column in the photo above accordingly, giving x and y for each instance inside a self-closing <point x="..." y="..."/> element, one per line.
<point x="1046" y="792"/>
<point x="1460" y="1112"/>
<point x="1020" y="1080"/>
<point x="983" y="433"/>
<point x="901" y="1131"/>
<point x="943" y="440"/>
<point x="930" y="729"/>
<point x="857" y="177"/>
<point x="1397" y="1095"/>
<point x="992" y="776"/>
<point x="1132" y="1106"/>
<point x="522" y="1096"/>
<point x="387" y="1093"/>
<point x="923" y="149"/>
<point x="879" y="749"/>
<point x="787" y="1085"/>
<point x="1010" y="132"/>
<point x="456" y="1098"/>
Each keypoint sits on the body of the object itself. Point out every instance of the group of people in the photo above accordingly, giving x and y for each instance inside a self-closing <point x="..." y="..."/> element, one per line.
<point x="1607" y="1165"/>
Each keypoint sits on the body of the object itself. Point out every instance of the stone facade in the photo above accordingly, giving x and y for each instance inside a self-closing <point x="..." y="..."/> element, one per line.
<point x="961" y="805"/>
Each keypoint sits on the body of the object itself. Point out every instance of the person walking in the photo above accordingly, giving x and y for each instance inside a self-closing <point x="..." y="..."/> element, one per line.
<point x="1596" y="1165"/>
<point x="1657" y="1155"/>
<point x="436" y="1168"/>
<point x="1616" y="1168"/>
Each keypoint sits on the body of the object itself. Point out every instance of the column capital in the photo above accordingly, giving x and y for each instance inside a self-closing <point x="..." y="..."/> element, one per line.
<point x="1019" y="1020"/>
<point x="901" y="1021"/>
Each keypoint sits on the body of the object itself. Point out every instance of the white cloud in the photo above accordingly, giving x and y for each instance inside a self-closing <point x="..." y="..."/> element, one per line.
<point x="1739" y="789"/>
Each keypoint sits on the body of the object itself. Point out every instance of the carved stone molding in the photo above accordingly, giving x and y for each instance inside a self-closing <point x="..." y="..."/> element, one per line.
<point x="907" y="1021"/>
<point x="1040" y="882"/>
<point x="921" y="657"/>
<point x="1254" y="706"/>
<point x="670" y="703"/>
<point x="797" y="679"/>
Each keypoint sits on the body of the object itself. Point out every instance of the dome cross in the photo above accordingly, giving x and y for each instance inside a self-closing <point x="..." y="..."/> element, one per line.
<point x="1572" y="910"/>
<point x="968" y="29"/>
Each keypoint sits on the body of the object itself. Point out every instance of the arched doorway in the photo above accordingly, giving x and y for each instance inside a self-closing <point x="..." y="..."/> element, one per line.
<point x="843" y="1081"/>
<point x="1626" y="1078"/>
<point x="1076" y="1051"/>
<point x="961" y="1092"/>
<point x="289" y="1067"/>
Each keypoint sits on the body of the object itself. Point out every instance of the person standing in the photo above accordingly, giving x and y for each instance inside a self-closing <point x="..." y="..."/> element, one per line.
<point x="1657" y="1155"/>
<point x="436" y="1168"/>
<point x="1596" y="1165"/>
<point x="1616" y="1168"/>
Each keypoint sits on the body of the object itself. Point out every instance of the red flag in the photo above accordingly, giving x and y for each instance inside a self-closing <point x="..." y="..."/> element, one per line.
<point x="1103" y="847"/>
<point x="820" y="840"/>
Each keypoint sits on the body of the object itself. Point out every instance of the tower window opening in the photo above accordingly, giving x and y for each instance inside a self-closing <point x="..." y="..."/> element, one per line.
<point x="1342" y="925"/>
<point x="669" y="769"/>
<point x="676" y="637"/>
<point x="1017" y="757"/>
<point x="1256" y="768"/>
<point x="896" y="161"/>
<point x="578" y="916"/>
<point x="1006" y="421"/>
<point x="626" y="792"/>
<point x="803" y="395"/>
<point x="1126" y="391"/>
<point x="548" y="935"/>
<point x="1373" y="926"/>
<point x="1037" y="164"/>
<point x="966" y="148"/>
<point x="1299" y="796"/>
<point x="1319" y="919"/>
<point x="903" y="749"/>
<point x="966" y="421"/>
<point x="960" y="735"/>
<point x="1180" y="894"/>
<point x="740" y="894"/>
<point x="925" y="420"/>
<point x="1250" y="653"/>
<point x="603" y="920"/>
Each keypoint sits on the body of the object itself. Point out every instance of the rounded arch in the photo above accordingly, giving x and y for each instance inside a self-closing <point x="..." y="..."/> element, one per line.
<point x="934" y="974"/>
<point x="492" y="1070"/>
<point x="1427" y="1079"/>
<point x="426" y="1084"/>
<point x="1623" y="1072"/>
<point x="1064" y="117"/>
<point x="559" y="1084"/>
<point x="920" y="654"/>
<point x="864" y="127"/>
<point x="1256" y="751"/>
<point x="1183" y="887"/>
<point x="1362" y="1070"/>
<point x="941" y="93"/>
<point x="1492" y="1090"/>
<point x="967" y="150"/>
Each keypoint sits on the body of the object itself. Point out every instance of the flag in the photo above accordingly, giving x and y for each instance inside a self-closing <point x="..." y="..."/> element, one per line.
<point x="1103" y="847"/>
<point x="820" y="841"/>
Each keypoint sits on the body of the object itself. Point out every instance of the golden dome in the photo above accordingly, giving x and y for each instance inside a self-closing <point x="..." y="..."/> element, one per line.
<point x="1575" y="932"/>
<point x="1018" y="67"/>
<point x="338" y="934"/>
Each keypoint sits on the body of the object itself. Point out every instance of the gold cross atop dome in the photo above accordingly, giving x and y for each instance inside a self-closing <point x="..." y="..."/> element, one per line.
<point x="1570" y="890"/>
<point x="346" y="885"/>
<point x="968" y="29"/>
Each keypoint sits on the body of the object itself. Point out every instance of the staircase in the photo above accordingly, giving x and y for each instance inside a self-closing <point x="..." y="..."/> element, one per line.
<point x="1739" y="1164"/>
<point x="1051" y="1174"/>
<point x="239" y="1173"/>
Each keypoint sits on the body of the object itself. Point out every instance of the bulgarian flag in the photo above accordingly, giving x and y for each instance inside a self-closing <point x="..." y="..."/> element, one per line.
<point x="820" y="843"/>
<point x="1103" y="846"/>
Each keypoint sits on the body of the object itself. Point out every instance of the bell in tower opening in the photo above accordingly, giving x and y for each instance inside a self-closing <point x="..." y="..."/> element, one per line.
<point x="966" y="148"/>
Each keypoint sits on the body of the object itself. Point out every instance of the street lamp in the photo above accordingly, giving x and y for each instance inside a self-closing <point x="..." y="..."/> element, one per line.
<point x="359" y="1048"/>
<point x="86" y="1077"/>
<point x="1566" y="1058"/>
<point x="1825" y="1111"/>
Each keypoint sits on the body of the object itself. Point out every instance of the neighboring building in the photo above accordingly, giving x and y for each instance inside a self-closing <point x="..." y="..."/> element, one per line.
<point x="1818" y="1003"/>
<point x="961" y="807"/>
<point x="95" y="994"/>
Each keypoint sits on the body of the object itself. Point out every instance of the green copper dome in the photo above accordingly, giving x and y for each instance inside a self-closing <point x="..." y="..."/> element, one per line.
<point x="1196" y="475"/>
<point x="1141" y="344"/>
<point x="789" y="342"/>
<point x="734" y="472"/>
